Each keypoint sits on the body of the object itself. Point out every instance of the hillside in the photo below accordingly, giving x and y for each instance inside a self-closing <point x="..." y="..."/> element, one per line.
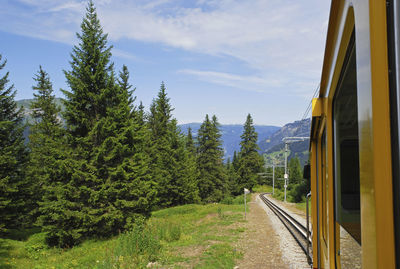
<point x="273" y="147"/>
<point x="297" y="128"/>
<point x="26" y="103"/>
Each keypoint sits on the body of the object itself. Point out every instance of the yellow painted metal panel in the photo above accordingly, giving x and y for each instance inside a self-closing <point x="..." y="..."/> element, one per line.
<point x="381" y="136"/>
<point x="316" y="107"/>
<point x="314" y="215"/>
<point x="331" y="201"/>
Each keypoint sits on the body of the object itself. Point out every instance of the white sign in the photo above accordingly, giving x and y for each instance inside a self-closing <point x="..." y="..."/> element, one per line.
<point x="286" y="176"/>
<point x="246" y="191"/>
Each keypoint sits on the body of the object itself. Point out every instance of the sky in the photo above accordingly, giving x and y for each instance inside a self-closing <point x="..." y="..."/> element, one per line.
<point x="222" y="57"/>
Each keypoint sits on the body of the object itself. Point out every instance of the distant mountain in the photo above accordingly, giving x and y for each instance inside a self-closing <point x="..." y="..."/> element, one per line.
<point x="26" y="103"/>
<point x="273" y="147"/>
<point x="297" y="128"/>
<point x="269" y="137"/>
<point x="231" y="135"/>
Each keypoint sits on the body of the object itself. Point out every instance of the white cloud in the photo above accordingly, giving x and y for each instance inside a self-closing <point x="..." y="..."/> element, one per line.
<point x="279" y="39"/>
<point x="250" y="83"/>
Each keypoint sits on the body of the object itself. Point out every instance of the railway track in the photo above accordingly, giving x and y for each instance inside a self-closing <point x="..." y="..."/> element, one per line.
<point x="297" y="229"/>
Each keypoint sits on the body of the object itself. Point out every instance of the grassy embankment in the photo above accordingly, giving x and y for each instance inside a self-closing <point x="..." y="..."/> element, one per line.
<point x="280" y="195"/>
<point x="189" y="236"/>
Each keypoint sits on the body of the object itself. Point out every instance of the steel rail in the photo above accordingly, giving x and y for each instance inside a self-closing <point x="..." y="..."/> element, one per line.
<point x="298" y="231"/>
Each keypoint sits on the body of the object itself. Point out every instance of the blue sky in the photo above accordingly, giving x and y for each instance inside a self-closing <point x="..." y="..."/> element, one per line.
<point x="223" y="57"/>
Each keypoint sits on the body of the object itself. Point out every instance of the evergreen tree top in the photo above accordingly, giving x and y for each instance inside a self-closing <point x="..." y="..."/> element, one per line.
<point x="8" y="111"/>
<point x="189" y="142"/>
<point x="123" y="82"/>
<point x="249" y="137"/>
<point x="43" y="106"/>
<point x="160" y="114"/>
<point x="91" y="78"/>
<point x="163" y="102"/>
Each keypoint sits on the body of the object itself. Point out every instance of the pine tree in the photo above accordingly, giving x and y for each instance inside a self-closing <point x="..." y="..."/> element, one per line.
<point x="170" y="166"/>
<point x="190" y="146"/>
<point x="212" y="180"/>
<point x="105" y="181"/>
<point x="141" y="116"/>
<point x="295" y="175"/>
<point x="250" y="162"/>
<point x="45" y="139"/>
<point x="232" y="177"/>
<point x="126" y="87"/>
<point x="13" y="158"/>
<point x="235" y="161"/>
<point x="90" y="80"/>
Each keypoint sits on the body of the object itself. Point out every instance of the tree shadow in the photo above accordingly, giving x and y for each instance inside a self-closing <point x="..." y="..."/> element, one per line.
<point x="20" y="234"/>
<point x="6" y="246"/>
<point x="5" y="250"/>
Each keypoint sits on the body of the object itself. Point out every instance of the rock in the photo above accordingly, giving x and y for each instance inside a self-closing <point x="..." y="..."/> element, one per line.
<point x="152" y="264"/>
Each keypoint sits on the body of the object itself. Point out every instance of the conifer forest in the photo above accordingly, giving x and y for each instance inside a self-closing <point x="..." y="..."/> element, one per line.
<point x="112" y="161"/>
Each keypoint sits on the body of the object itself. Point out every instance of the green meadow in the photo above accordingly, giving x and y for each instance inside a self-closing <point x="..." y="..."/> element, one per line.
<point x="188" y="236"/>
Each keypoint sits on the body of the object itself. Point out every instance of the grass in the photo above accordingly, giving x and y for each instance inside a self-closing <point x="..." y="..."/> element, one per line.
<point x="280" y="195"/>
<point x="168" y="239"/>
<point x="263" y="188"/>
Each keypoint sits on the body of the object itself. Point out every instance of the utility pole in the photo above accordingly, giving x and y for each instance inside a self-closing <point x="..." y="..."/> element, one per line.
<point x="273" y="179"/>
<point x="286" y="174"/>
<point x="288" y="140"/>
<point x="273" y="166"/>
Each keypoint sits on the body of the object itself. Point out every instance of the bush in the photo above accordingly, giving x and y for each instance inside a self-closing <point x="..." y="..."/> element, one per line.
<point x="298" y="192"/>
<point x="166" y="230"/>
<point x="35" y="245"/>
<point x="134" y="248"/>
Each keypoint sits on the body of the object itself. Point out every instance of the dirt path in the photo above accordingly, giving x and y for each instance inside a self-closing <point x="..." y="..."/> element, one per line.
<point x="260" y="243"/>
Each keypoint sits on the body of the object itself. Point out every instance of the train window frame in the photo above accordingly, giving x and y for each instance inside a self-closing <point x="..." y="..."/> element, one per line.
<point x="318" y="203"/>
<point x="324" y="186"/>
<point x="346" y="215"/>
<point x="393" y="30"/>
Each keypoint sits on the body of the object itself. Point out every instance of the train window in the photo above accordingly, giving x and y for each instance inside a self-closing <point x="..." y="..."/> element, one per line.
<point x="346" y="166"/>
<point x="347" y="172"/>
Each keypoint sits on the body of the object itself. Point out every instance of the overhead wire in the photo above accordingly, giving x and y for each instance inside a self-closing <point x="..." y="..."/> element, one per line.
<point x="308" y="109"/>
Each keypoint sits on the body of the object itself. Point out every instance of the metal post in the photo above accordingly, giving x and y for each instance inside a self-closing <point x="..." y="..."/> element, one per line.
<point x="285" y="189"/>
<point x="244" y="204"/>
<point x="286" y="149"/>
<point x="286" y="175"/>
<point x="273" y="179"/>
<point x="308" y="229"/>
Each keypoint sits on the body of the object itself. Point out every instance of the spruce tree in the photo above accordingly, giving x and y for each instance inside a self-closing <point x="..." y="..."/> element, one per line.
<point x="235" y="160"/>
<point x="190" y="146"/>
<point x="106" y="181"/>
<point x="13" y="158"/>
<point x="169" y="158"/>
<point x="212" y="180"/>
<point x="295" y="173"/>
<point x="193" y="170"/>
<point x="123" y="83"/>
<point x="250" y="162"/>
<point x="45" y="139"/>
<point x="91" y="79"/>
<point x="232" y="177"/>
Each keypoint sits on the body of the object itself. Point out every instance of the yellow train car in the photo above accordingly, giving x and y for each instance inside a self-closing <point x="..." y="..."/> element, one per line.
<point x="354" y="144"/>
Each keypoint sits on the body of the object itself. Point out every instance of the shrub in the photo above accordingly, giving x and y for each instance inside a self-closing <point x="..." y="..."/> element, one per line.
<point x="167" y="231"/>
